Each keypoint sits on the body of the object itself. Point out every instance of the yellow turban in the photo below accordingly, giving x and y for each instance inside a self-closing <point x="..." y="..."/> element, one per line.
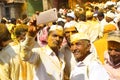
<point x="109" y="27"/>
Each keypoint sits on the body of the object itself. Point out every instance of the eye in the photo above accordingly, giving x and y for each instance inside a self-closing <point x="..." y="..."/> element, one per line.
<point x="71" y="44"/>
<point x="117" y="50"/>
<point x="67" y="32"/>
<point x="54" y="35"/>
<point x="78" y="43"/>
<point x="74" y="31"/>
<point x="61" y="37"/>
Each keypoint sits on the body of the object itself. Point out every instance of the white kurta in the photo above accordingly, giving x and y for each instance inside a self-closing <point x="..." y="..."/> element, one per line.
<point x="47" y="65"/>
<point x="89" y="69"/>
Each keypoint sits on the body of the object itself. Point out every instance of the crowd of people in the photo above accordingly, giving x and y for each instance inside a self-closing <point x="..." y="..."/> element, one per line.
<point x="83" y="44"/>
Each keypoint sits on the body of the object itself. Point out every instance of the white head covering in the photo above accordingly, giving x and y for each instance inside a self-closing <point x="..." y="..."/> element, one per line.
<point x="55" y="27"/>
<point x="71" y="14"/>
<point x="70" y="24"/>
<point x="78" y="36"/>
<point x="118" y="9"/>
<point x="117" y="18"/>
<point x="110" y="14"/>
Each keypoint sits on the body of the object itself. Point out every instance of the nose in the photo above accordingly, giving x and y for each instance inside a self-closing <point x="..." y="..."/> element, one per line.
<point x="112" y="52"/>
<point x="73" y="47"/>
<point x="70" y="33"/>
<point x="58" y="38"/>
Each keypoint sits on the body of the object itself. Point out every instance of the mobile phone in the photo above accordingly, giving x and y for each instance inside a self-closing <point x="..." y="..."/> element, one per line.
<point x="47" y="16"/>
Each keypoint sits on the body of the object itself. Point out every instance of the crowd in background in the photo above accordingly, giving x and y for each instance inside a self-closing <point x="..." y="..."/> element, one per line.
<point x="83" y="44"/>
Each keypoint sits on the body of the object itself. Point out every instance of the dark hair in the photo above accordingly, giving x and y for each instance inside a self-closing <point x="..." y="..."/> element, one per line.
<point x="100" y="14"/>
<point x="4" y="33"/>
<point x="82" y="17"/>
<point x="61" y="23"/>
<point x="20" y="28"/>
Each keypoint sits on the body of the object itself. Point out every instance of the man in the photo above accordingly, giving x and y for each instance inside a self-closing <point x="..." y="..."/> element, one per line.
<point x="93" y="29"/>
<point x="112" y="57"/>
<point x="20" y="70"/>
<point x="5" y="39"/>
<point x="48" y="61"/>
<point x="101" y="44"/>
<point x="69" y="29"/>
<point x="88" y="67"/>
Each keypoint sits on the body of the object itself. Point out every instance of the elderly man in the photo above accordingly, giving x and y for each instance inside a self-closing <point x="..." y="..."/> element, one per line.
<point x="48" y="60"/>
<point x="70" y="29"/>
<point x="112" y="57"/>
<point x="88" y="67"/>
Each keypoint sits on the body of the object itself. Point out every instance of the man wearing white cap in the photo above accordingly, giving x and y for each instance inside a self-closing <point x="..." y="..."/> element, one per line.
<point x="70" y="19"/>
<point x="48" y="61"/>
<point x="112" y="57"/>
<point x="69" y="29"/>
<point x="88" y="67"/>
<point x="93" y="29"/>
<point x="109" y="19"/>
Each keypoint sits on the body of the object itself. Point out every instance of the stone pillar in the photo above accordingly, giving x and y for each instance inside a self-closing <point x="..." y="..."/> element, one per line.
<point x="12" y="11"/>
<point x="0" y="11"/>
<point x="45" y="4"/>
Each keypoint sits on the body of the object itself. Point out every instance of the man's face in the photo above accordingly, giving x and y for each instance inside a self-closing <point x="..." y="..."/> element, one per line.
<point x="80" y="49"/>
<point x="114" y="52"/>
<point x="22" y="37"/>
<point x="68" y="32"/>
<point x="68" y="19"/>
<point x="55" y="39"/>
<point x="108" y="19"/>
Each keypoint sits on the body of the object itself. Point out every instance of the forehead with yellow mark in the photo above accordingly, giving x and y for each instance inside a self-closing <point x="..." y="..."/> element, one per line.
<point x="70" y="29"/>
<point x="57" y="32"/>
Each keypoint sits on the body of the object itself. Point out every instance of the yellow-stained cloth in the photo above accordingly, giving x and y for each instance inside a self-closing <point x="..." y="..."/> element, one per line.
<point x="101" y="47"/>
<point x="101" y="44"/>
<point x="4" y="65"/>
<point x="19" y="69"/>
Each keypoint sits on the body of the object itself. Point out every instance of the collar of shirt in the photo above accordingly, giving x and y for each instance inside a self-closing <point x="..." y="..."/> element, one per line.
<point x="87" y="60"/>
<point x="49" y="51"/>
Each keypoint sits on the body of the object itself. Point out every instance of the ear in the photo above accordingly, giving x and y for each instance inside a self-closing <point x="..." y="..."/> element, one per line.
<point x="88" y="47"/>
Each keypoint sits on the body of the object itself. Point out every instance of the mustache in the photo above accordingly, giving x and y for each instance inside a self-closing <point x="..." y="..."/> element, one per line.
<point x="76" y="51"/>
<point x="57" y="42"/>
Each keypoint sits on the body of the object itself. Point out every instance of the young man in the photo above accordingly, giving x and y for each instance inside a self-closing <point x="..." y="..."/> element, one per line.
<point x="48" y="61"/>
<point x="112" y="57"/>
<point x="88" y="67"/>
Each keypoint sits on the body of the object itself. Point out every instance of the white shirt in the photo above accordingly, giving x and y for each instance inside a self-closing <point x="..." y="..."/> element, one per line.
<point x="46" y="64"/>
<point x="89" y="69"/>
